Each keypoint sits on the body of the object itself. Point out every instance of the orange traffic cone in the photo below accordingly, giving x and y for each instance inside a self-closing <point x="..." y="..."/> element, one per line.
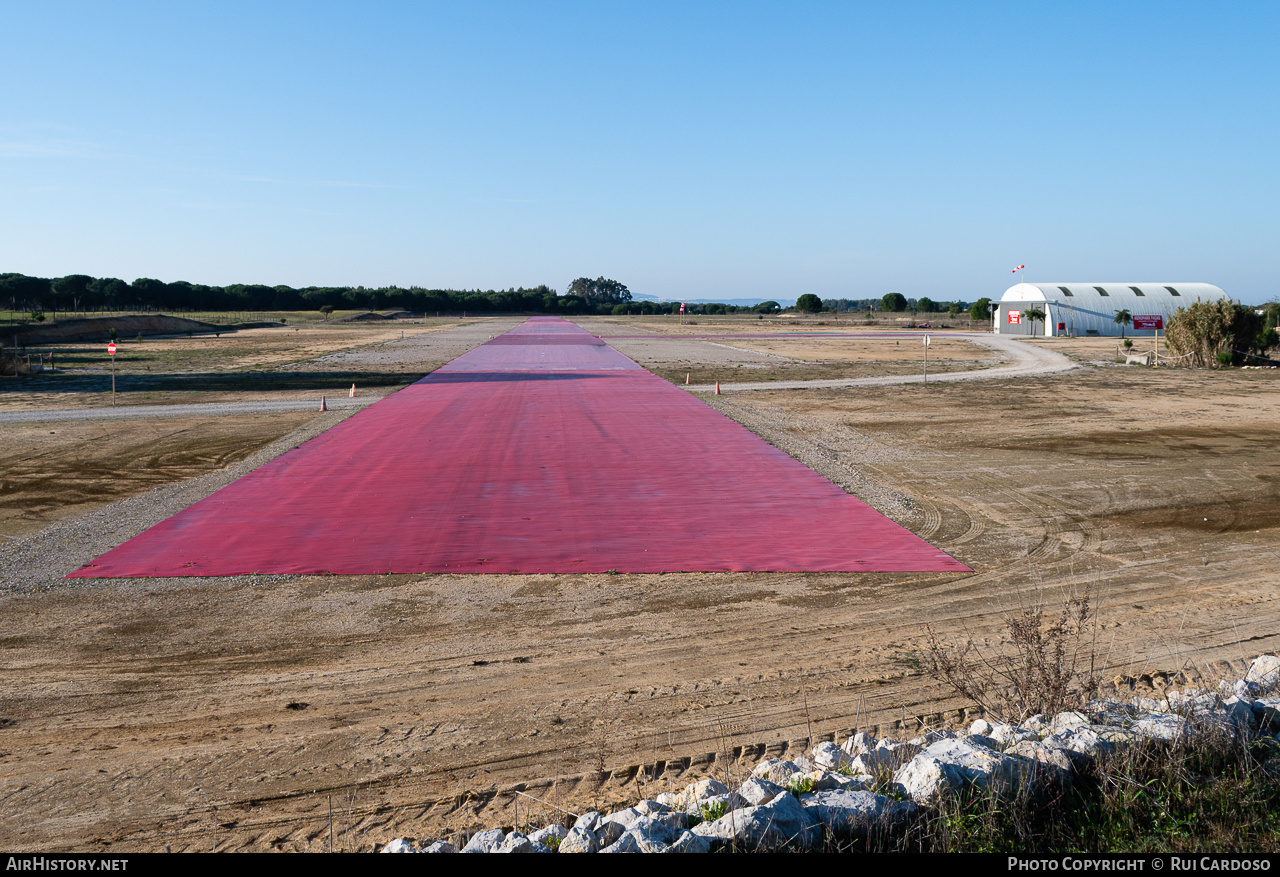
<point x="352" y="394"/>
<point x="323" y="407"/>
<point x="717" y="388"/>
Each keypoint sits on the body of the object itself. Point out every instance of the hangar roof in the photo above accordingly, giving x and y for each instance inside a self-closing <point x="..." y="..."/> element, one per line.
<point x="1109" y="297"/>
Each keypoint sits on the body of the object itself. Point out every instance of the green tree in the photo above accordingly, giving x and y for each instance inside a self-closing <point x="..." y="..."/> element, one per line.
<point x="1123" y="318"/>
<point x="980" y="310"/>
<point x="927" y="305"/>
<point x="767" y="307"/>
<point x="894" y="301"/>
<point x="600" y="291"/>
<point x="1033" y="315"/>
<point x="809" y="303"/>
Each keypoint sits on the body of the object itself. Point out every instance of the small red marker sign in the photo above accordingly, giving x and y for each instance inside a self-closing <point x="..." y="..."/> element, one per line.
<point x="111" y="348"/>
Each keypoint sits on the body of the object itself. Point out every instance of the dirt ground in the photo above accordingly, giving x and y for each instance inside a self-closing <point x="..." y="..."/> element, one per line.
<point x="304" y="713"/>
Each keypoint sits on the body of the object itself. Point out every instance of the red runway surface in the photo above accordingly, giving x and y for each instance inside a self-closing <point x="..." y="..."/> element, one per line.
<point x="542" y="451"/>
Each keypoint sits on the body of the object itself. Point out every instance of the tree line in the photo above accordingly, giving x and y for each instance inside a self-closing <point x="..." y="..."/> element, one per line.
<point x="83" y="293"/>
<point x="80" y="292"/>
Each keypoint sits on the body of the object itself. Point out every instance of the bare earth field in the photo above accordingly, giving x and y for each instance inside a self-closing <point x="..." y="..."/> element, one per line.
<point x="272" y="713"/>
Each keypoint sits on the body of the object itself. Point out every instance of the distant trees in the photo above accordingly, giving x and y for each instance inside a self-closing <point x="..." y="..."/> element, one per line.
<point x="809" y="303"/>
<point x="980" y="310"/>
<point x="767" y="307"/>
<point x="927" y="305"/>
<point x="599" y="291"/>
<point x="894" y="301"/>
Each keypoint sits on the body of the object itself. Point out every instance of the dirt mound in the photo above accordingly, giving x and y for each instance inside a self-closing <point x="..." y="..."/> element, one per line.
<point x="99" y="328"/>
<point x="372" y="316"/>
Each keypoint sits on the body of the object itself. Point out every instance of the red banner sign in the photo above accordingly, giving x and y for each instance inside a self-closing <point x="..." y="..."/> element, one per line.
<point x="1148" y="321"/>
<point x="1015" y="317"/>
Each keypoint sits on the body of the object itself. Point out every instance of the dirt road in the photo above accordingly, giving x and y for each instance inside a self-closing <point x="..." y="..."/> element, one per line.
<point x="271" y="712"/>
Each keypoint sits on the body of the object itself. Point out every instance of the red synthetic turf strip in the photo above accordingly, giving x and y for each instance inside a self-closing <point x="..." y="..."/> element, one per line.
<point x="546" y="451"/>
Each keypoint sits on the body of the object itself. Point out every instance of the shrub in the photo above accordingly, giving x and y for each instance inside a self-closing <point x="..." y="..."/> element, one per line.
<point x="1205" y="331"/>
<point x="1047" y="663"/>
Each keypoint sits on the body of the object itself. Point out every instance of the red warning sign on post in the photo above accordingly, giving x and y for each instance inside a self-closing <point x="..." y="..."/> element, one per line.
<point x="1148" y="321"/>
<point x="111" y="348"/>
<point x="1015" y="317"/>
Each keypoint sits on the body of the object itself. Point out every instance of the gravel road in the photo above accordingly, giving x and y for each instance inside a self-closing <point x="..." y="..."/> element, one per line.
<point x="1024" y="360"/>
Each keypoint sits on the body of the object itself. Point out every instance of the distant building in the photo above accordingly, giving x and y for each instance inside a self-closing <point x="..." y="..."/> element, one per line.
<point x="1090" y="308"/>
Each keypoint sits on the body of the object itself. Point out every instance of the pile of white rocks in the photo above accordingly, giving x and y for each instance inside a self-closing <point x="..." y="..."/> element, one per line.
<point x="840" y="791"/>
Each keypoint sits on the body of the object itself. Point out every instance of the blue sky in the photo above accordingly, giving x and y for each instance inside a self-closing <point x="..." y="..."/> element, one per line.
<point x="689" y="150"/>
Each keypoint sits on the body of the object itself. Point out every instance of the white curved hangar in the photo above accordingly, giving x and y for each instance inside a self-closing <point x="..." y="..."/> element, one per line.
<point x="1090" y="308"/>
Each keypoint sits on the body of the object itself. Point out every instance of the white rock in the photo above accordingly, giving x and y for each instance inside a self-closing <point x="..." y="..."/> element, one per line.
<point x="555" y="833"/>
<point x="887" y="755"/>
<point x="440" y="846"/>
<point x="399" y="845"/>
<point x="1007" y="735"/>
<point x="1266" y="711"/>
<point x="950" y="765"/>
<point x="579" y="840"/>
<point x="634" y="842"/>
<point x="1069" y="719"/>
<point x="1264" y="671"/>
<point x="1193" y="702"/>
<point x="1056" y="764"/>
<point x="858" y="743"/>
<point x="515" y="842"/>
<point x="695" y="793"/>
<point x="757" y="791"/>
<point x="854" y="813"/>
<point x="688" y="842"/>
<point x="828" y="756"/>
<point x="781" y="822"/>
<point x="1084" y="744"/>
<point x="608" y="832"/>
<point x="731" y="801"/>
<point x="828" y="781"/>
<point x="485" y="841"/>
<point x="1162" y="726"/>
<point x="929" y="738"/>
<point x="775" y="770"/>
<point x="588" y="820"/>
